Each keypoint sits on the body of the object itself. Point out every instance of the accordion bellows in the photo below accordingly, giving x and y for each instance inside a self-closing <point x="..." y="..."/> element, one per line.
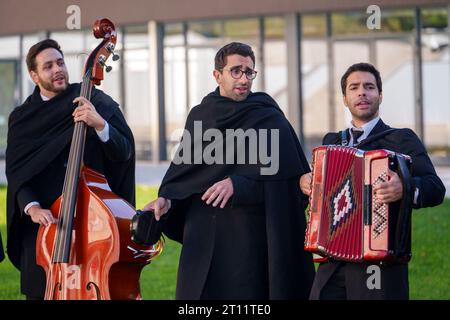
<point x="346" y="222"/>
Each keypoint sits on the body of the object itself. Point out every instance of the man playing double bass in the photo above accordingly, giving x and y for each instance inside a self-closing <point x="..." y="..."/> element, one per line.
<point x="39" y="139"/>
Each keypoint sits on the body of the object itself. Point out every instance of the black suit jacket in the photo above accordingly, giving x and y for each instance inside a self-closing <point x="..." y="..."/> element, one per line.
<point x="394" y="278"/>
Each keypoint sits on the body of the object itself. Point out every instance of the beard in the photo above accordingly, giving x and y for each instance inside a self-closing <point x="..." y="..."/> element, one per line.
<point x="232" y="94"/>
<point x="50" y="85"/>
<point x="367" y="114"/>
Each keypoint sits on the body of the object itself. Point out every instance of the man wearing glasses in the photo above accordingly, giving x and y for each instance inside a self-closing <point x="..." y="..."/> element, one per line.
<point x="242" y="230"/>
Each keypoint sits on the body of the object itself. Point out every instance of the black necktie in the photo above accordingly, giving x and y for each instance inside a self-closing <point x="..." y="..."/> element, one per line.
<point x="356" y="134"/>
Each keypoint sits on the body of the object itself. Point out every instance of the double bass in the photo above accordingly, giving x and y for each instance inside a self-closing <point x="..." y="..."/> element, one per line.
<point x="89" y="254"/>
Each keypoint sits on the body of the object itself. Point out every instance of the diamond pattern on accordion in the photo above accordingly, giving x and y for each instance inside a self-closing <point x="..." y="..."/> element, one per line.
<point x="342" y="204"/>
<point x="380" y="210"/>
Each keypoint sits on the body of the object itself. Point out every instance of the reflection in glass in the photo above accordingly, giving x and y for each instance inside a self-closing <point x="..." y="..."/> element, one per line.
<point x="315" y="91"/>
<point x="436" y="80"/>
<point x="275" y="53"/>
<point x="395" y="63"/>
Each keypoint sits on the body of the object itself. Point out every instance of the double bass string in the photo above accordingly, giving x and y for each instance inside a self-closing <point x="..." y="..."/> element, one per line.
<point x="70" y="183"/>
<point x="69" y="179"/>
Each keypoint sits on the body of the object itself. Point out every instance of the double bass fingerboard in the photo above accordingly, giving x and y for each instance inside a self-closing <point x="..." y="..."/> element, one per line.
<point x="61" y="251"/>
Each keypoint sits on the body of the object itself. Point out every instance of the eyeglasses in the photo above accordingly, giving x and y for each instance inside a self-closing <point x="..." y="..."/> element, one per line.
<point x="237" y="72"/>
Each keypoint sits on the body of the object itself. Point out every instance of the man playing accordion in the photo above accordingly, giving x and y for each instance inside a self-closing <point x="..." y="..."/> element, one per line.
<point x="362" y="95"/>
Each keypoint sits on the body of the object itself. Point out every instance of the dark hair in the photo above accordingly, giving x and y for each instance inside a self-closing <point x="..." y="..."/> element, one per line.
<point x="39" y="47"/>
<point x="362" y="66"/>
<point x="220" y="61"/>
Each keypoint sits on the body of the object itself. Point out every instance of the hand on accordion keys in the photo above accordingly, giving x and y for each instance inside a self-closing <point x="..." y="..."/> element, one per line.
<point x="389" y="191"/>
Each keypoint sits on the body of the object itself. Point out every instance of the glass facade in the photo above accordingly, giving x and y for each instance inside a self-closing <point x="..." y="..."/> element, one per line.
<point x="436" y="80"/>
<point x="275" y="60"/>
<point x="189" y="51"/>
<point x="9" y="83"/>
<point x="329" y="43"/>
<point x="315" y="73"/>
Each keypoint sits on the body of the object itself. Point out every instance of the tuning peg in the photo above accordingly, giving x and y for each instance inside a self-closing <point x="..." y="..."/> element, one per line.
<point x="102" y="61"/>
<point x="110" y="47"/>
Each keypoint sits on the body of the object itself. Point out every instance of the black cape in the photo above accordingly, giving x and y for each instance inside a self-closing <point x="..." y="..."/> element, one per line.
<point x="39" y="132"/>
<point x="291" y="270"/>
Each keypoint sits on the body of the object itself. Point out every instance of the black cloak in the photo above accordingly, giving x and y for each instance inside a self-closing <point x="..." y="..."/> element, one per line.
<point x="39" y="133"/>
<point x="290" y="269"/>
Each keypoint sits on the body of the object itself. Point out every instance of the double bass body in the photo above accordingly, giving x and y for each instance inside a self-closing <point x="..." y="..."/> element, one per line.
<point x="104" y="263"/>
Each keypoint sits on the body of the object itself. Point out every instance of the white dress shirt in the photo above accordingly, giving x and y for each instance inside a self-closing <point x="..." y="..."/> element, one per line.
<point x="367" y="127"/>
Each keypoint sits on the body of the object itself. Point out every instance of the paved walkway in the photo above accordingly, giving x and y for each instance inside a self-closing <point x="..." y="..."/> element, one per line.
<point x="148" y="173"/>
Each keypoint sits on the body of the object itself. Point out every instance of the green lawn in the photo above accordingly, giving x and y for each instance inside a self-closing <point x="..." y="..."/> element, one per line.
<point x="158" y="279"/>
<point x="429" y="275"/>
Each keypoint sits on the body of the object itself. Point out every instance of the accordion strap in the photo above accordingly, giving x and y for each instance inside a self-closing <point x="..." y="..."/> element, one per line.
<point x="403" y="230"/>
<point x="376" y="137"/>
<point x="345" y="137"/>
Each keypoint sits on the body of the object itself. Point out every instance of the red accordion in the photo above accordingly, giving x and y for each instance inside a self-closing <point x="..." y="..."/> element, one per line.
<point x="346" y="222"/>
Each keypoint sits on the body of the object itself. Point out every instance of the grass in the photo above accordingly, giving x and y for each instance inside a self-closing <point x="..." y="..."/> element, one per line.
<point x="429" y="272"/>
<point x="158" y="279"/>
<point x="429" y="275"/>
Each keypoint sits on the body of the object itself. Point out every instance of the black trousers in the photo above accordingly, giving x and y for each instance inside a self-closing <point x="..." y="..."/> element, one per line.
<point x="335" y="288"/>
<point x="34" y="298"/>
<point x="361" y="281"/>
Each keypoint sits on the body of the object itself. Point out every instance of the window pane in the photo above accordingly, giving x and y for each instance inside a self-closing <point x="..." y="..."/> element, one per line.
<point x="315" y="91"/>
<point x="9" y="47"/>
<point x="175" y="94"/>
<point x="201" y="80"/>
<point x="241" y="30"/>
<point x="436" y="81"/>
<point x="349" y="23"/>
<point x="395" y="63"/>
<point x="175" y="83"/>
<point x="173" y="34"/>
<point x="205" y="32"/>
<point x="137" y="86"/>
<point x="136" y="37"/>
<point x="313" y="25"/>
<point x="354" y="23"/>
<point x="275" y="53"/>
<point x="70" y="41"/>
<point x="138" y="100"/>
<point x="436" y="18"/>
<point x="8" y="97"/>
